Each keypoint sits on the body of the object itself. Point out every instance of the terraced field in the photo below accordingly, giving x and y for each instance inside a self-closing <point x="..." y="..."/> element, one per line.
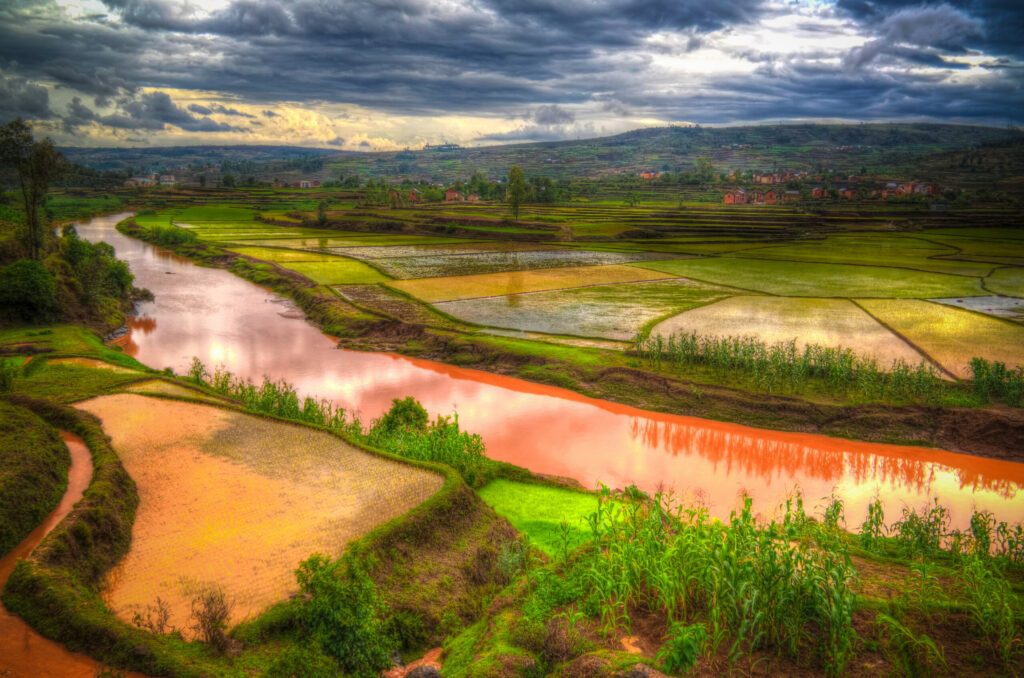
<point x="604" y="311"/>
<point x="829" y="322"/>
<point x="450" y="288"/>
<point x="802" y="279"/>
<point x="950" y="336"/>
<point x="602" y="271"/>
<point x="238" y="501"/>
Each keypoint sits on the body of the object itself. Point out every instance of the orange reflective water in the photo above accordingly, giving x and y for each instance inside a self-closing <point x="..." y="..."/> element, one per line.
<point x="23" y="652"/>
<point x="223" y="319"/>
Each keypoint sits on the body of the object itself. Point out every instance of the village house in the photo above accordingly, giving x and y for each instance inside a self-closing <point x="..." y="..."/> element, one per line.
<point x="167" y="180"/>
<point x="756" y="197"/>
<point x="307" y="183"/>
<point x="451" y="195"/>
<point x="818" y="193"/>
<point x="473" y="197"/>
<point x="735" y="197"/>
<point x="771" y="198"/>
<point x="139" y="182"/>
<point x="413" y="196"/>
<point x="791" y="196"/>
<point x="647" y="176"/>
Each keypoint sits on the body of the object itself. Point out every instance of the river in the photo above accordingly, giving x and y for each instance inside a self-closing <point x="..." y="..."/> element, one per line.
<point x="225" y="320"/>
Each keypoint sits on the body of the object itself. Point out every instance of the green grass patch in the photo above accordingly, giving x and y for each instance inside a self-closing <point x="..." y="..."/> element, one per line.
<point x="552" y="517"/>
<point x="337" y="272"/>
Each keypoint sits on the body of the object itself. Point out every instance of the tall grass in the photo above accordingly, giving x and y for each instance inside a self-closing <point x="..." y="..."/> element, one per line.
<point x="782" y="366"/>
<point x="171" y="235"/>
<point x="405" y="430"/>
<point x="994" y="380"/>
<point x="738" y="587"/>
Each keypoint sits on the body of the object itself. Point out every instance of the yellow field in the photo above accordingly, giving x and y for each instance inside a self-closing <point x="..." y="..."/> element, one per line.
<point x="337" y="271"/>
<point x="829" y="322"/>
<point x="238" y="501"/>
<point x="456" y="287"/>
<point x="279" y="255"/>
<point x="951" y="336"/>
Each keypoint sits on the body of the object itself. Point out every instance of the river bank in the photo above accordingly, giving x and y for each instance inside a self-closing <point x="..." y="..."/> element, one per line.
<point x="994" y="432"/>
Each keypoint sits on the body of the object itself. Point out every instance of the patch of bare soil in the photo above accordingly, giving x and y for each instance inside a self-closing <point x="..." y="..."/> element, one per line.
<point x="237" y="501"/>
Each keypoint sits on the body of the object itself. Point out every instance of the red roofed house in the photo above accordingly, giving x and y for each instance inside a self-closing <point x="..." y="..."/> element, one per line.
<point x="736" y="197"/>
<point x="771" y="198"/>
<point x="451" y="195"/>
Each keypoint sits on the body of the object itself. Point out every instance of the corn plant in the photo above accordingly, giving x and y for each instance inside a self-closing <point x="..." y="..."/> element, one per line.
<point x="873" y="528"/>
<point x="782" y="366"/>
<point x="910" y="653"/>
<point x="991" y="603"/>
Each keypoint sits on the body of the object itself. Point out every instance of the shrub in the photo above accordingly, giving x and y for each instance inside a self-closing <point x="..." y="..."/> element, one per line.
<point x="405" y="415"/>
<point x="344" y="615"/>
<point x="210" y="612"/>
<point x="27" y="291"/>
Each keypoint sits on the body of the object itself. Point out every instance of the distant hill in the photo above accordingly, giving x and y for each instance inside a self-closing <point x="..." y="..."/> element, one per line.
<point x="875" y="148"/>
<point x="173" y="157"/>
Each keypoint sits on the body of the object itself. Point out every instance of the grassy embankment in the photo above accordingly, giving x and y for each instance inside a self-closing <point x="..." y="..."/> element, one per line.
<point x="33" y="473"/>
<point x="432" y="569"/>
<point x="632" y="579"/>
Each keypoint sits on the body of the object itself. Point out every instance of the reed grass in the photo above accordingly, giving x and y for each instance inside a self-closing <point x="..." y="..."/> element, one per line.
<point x="441" y="440"/>
<point x="783" y="366"/>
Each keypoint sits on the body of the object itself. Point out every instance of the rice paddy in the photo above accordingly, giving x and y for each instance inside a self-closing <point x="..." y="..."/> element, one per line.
<point x="450" y="288"/>
<point x="604" y="311"/>
<point x="337" y="271"/>
<point x="1007" y="281"/>
<point x="804" y="279"/>
<point x="950" y="336"/>
<point x="237" y="501"/>
<point x="471" y="263"/>
<point x="827" y="322"/>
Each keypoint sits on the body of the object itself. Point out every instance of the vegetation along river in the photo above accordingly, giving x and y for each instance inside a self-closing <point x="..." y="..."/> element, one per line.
<point x="224" y="320"/>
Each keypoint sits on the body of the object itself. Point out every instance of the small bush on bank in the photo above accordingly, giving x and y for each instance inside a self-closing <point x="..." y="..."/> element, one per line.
<point x="343" y="614"/>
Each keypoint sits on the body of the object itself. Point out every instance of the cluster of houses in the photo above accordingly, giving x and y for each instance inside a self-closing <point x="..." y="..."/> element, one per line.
<point x="892" y="189"/>
<point x="302" y="183"/>
<point x="150" y="180"/>
<point x="451" y="195"/>
<point x="739" y="196"/>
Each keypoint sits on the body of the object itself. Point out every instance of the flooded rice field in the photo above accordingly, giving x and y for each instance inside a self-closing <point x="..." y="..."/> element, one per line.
<point x="225" y="320"/>
<point x="223" y="494"/>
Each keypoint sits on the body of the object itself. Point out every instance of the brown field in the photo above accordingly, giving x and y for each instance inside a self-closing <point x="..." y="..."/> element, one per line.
<point x="237" y="501"/>
<point x="450" y="288"/>
<point x="829" y="322"/>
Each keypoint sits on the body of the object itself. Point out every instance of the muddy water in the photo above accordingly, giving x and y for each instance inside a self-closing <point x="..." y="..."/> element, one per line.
<point x="225" y="320"/>
<point x="23" y="652"/>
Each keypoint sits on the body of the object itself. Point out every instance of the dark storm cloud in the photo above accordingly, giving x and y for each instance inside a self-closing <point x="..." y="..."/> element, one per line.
<point x="21" y="98"/>
<point x="500" y="58"/>
<point x="1001" y="21"/>
<point x="919" y="34"/>
<point x="218" y="108"/>
<point x="149" y="111"/>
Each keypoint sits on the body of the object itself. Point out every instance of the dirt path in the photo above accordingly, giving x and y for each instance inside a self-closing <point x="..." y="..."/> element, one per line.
<point x="23" y="652"/>
<point x="237" y="501"/>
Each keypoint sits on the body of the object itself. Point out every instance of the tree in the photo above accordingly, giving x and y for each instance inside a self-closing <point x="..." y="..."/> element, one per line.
<point x="227" y="180"/>
<point x="27" y="291"/>
<point x="516" y="190"/>
<point x="36" y="164"/>
<point x="202" y="180"/>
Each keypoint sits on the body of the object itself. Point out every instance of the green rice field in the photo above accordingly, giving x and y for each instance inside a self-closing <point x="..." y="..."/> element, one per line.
<point x="774" y="274"/>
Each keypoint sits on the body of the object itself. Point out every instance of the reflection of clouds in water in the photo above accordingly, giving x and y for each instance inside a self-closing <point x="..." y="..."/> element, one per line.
<point x="220" y="318"/>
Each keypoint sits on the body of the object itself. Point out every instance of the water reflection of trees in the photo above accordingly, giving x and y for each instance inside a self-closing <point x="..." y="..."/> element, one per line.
<point x="767" y="457"/>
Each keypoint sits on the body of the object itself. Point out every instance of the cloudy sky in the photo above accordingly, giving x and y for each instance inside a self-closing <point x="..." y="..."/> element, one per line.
<point x="386" y="74"/>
